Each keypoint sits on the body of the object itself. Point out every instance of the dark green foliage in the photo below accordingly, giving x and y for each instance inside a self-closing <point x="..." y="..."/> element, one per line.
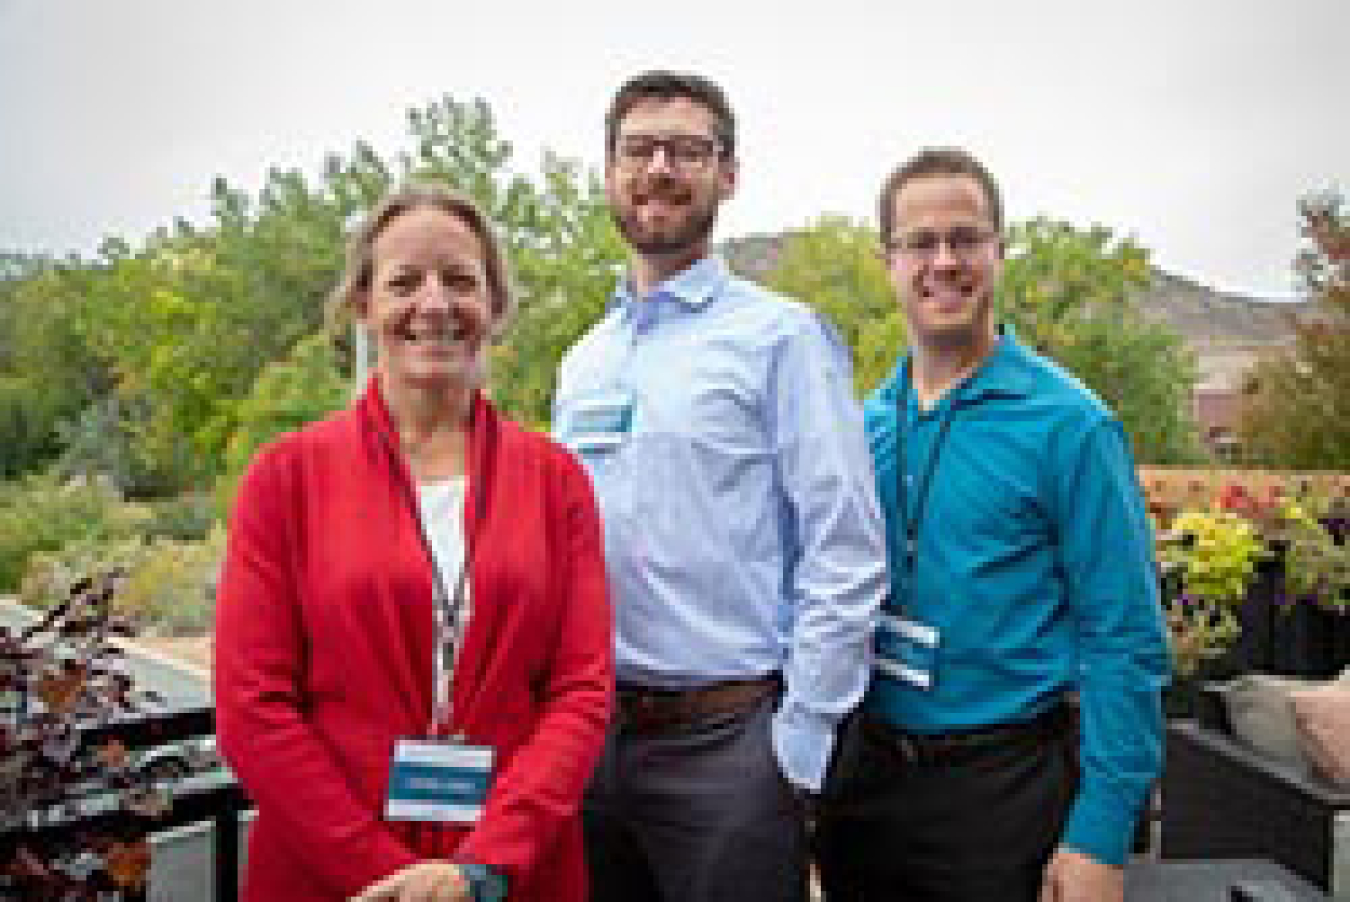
<point x="1297" y="412"/>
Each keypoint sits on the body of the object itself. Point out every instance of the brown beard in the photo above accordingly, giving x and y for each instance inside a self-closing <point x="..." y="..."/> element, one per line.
<point x="692" y="233"/>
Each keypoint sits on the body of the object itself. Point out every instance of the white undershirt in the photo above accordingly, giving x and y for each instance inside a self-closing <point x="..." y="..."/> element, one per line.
<point x="440" y="505"/>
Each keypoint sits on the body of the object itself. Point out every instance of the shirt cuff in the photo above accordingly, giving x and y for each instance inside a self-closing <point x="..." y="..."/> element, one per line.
<point x="1101" y="830"/>
<point x="802" y="742"/>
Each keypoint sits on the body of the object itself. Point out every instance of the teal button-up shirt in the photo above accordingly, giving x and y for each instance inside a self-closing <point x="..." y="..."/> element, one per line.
<point x="1034" y="559"/>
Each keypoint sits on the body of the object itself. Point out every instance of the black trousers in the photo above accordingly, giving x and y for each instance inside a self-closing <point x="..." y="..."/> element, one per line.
<point x="697" y="814"/>
<point x="979" y="827"/>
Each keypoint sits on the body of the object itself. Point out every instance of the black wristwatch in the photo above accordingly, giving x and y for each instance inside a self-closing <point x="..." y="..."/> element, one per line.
<point x="485" y="884"/>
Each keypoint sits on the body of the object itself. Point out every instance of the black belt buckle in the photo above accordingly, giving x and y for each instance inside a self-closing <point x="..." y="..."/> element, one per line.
<point x="907" y="747"/>
<point x="902" y="746"/>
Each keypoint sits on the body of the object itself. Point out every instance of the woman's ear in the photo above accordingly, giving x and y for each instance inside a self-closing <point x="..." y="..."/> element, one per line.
<point x="359" y="303"/>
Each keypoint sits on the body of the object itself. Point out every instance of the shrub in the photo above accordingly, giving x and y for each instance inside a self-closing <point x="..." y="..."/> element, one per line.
<point x="169" y="587"/>
<point x="189" y="517"/>
<point x="40" y="514"/>
<point x="172" y="591"/>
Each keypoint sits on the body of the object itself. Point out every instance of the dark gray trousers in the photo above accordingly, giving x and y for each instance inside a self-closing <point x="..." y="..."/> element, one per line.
<point x="980" y="830"/>
<point x="697" y="814"/>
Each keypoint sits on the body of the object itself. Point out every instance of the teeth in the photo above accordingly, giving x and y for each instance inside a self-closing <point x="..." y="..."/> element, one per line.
<point x="960" y="292"/>
<point x="435" y="336"/>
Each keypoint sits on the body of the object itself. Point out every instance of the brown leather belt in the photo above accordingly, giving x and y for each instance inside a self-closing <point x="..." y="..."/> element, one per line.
<point x="643" y="710"/>
<point x="956" y="747"/>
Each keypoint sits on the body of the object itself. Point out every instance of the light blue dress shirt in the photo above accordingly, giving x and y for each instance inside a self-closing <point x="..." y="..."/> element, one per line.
<point x="743" y="534"/>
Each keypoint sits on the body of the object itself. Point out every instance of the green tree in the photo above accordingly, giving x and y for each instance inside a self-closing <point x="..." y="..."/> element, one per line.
<point x="1071" y="293"/>
<point x="833" y="265"/>
<point x="567" y="257"/>
<point x="27" y="439"/>
<point x="48" y="371"/>
<point x="187" y="323"/>
<point x="305" y="386"/>
<point x="1297" y="411"/>
<point x="150" y="347"/>
<point x="1056" y="272"/>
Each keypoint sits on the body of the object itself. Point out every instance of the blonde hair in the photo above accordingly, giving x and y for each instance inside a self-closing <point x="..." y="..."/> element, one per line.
<point x="360" y="264"/>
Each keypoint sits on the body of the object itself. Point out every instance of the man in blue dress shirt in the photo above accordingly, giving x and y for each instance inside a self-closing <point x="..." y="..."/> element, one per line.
<point x="744" y="541"/>
<point x="1022" y="573"/>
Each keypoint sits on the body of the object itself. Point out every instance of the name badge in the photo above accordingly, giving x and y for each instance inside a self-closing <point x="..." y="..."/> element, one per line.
<point x="599" y="424"/>
<point x="438" y="780"/>
<point x="906" y="650"/>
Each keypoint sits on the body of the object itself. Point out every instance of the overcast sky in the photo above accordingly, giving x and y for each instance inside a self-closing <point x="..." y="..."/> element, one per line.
<point x="1192" y="124"/>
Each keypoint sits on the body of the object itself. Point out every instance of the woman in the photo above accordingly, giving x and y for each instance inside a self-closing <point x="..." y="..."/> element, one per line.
<point x="416" y="540"/>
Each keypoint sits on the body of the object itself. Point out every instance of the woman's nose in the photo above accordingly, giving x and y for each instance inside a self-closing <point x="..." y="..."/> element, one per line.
<point x="436" y="294"/>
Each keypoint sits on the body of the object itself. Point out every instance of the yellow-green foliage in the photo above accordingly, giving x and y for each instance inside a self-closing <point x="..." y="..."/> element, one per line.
<point x="40" y="514"/>
<point x="1221" y="557"/>
<point x="1218" y="557"/>
<point x="169" y="588"/>
<point x="289" y="393"/>
<point x="172" y="590"/>
<point x="50" y="574"/>
<point x="1316" y="568"/>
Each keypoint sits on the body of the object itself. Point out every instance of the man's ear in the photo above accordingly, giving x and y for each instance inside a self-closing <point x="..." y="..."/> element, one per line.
<point x="730" y="172"/>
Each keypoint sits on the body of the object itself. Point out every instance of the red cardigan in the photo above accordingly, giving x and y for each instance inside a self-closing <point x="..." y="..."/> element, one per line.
<point x="324" y="656"/>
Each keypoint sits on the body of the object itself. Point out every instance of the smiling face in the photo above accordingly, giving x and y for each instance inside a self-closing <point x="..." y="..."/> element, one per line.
<point x="944" y="260"/>
<point x="662" y="193"/>
<point x="428" y="305"/>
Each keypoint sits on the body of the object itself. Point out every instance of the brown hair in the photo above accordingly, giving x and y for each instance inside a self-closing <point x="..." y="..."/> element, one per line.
<point x="359" y="269"/>
<point x="663" y="85"/>
<point x="936" y="161"/>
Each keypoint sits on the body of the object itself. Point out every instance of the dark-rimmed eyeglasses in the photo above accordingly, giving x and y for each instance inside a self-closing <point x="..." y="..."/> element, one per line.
<point x="686" y="152"/>
<point x="924" y="244"/>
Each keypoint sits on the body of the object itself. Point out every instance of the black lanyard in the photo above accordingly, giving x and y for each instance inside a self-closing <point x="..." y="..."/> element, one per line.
<point x="450" y="606"/>
<point x="912" y="522"/>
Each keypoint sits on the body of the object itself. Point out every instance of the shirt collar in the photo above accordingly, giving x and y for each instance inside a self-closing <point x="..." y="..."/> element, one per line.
<point x="693" y="287"/>
<point x="1005" y="373"/>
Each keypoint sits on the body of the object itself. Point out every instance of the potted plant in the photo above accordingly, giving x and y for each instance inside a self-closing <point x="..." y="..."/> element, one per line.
<point x="64" y="690"/>
<point x="1300" y="601"/>
<point x="1210" y="557"/>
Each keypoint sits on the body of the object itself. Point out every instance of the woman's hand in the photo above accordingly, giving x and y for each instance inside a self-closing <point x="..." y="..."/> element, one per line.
<point x="426" y="881"/>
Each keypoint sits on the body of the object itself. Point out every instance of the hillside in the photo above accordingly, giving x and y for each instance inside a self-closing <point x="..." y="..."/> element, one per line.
<point x="1209" y="317"/>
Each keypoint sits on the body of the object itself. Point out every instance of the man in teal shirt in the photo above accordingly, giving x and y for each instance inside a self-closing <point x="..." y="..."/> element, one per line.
<point x="1012" y="728"/>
